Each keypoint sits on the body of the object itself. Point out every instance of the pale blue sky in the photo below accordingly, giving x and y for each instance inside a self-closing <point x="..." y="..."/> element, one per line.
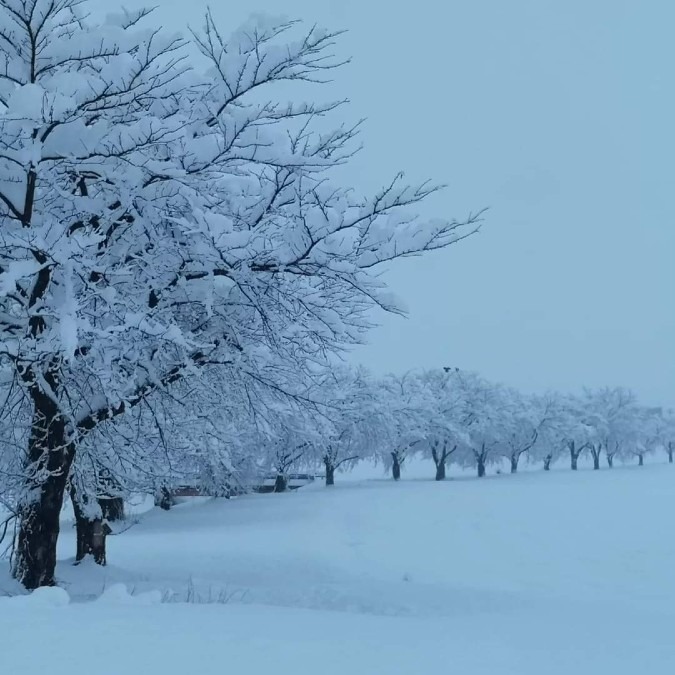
<point x="557" y="115"/>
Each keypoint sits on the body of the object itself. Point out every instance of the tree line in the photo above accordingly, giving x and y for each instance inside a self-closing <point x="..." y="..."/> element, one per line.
<point x="449" y="415"/>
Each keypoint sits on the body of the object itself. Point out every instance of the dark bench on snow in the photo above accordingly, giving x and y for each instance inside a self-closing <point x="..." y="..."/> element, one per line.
<point x="280" y="483"/>
<point x="271" y="483"/>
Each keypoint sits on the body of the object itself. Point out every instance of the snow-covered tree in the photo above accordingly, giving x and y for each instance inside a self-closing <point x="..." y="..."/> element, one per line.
<point x="405" y="419"/>
<point x="607" y="415"/>
<point x="442" y="407"/>
<point x="553" y="431"/>
<point x="156" y="220"/>
<point x="356" y="420"/>
<point x="573" y="428"/>
<point x="526" y="418"/>
<point x="649" y="439"/>
<point x="483" y="420"/>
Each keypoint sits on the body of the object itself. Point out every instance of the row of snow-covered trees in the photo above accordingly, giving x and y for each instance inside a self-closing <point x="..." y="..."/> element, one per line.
<point x="446" y="416"/>
<point x="454" y="416"/>
<point x="178" y="263"/>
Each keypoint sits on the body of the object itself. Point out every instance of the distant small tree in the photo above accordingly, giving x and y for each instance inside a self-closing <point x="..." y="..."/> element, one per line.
<point x="404" y="417"/>
<point x="526" y="419"/>
<point x="576" y="449"/>
<point x="483" y="420"/>
<point x="441" y="416"/>
<point x="354" y="421"/>
<point x="612" y="449"/>
<point x="441" y="451"/>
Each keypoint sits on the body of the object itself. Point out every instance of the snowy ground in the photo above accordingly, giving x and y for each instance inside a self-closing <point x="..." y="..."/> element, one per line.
<point x="560" y="573"/>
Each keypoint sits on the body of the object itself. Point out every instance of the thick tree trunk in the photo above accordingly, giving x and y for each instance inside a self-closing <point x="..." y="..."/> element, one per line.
<point x="91" y="533"/>
<point x="91" y="540"/>
<point x="596" y="461"/>
<point x="330" y="473"/>
<point x="280" y="483"/>
<point x="164" y="499"/>
<point x="91" y="527"/>
<point x="439" y="462"/>
<point x="514" y="463"/>
<point x="573" y="460"/>
<point x="670" y="453"/>
<point x="35" y="562"/>
<point x="51" y="456"/>
<point x="547" y="462"/>
<point x="610" y="461"/>
<point x="641" y="460"/>
<point x="395" y="466"/>
<point x="481" y="468"/>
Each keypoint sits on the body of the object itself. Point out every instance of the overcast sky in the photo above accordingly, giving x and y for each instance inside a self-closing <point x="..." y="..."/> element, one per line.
<point x="558" y="116"/>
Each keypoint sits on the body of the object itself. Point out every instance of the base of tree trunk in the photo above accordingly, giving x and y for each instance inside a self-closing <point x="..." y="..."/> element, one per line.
<point x="91" y="540"/>
<point x="547" y="463"/>
<point x="481" y="469"/>
<point x="641" y="460"/>
<point x="514" y="465"/>
<point x="396" y="470"/>
<point x="35" y="556"/>
<point x="573" y="464"/>
<point x="164" y="499"/>
<point x="34" y="562"/>
<point x="90" y="526"/>
<point x="610" y="461"/>
<point x="440" y="471"/>
<point x="670" y="458"/>
<point x="280" y="483"/>
<point x="330" y="475"/>
<point x="596" y="463"/>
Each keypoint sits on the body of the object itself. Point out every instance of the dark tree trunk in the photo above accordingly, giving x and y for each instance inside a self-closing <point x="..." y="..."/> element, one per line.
<point x="439" y="462"/>
<point x="575" y="451"/>
<point x="596" y="460"/>
<point x="670" y="453"/>
<point x="514" y="463"/>
<point x="641" y="460"/>
<point x="280" y="483"/>
<point x="610" y="461"/>
<point x="395" y="466"/>
<point x="481" y="467"/>
<point x="164" y="499"/>
<point x="91" y="539"/>
<point x="49" y="455"/>
<point x="330" y="472"/>
<point x="547" y="462"/>
<point x="91" y="532"/>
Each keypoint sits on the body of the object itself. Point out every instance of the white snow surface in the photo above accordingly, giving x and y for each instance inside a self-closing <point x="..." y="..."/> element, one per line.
<point x="557" y="573"/>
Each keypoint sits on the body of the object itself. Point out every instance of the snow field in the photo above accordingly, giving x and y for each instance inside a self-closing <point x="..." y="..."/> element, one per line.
<point x="533" y="573"/>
